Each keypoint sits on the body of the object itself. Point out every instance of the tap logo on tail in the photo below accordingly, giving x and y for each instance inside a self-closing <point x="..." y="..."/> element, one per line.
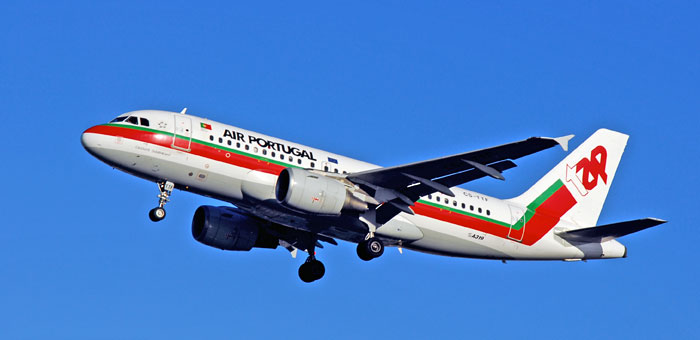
<point x="584" y="174"/>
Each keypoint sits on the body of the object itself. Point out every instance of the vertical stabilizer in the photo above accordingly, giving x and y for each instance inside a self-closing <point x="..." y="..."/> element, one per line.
<point x="586" y="173"/>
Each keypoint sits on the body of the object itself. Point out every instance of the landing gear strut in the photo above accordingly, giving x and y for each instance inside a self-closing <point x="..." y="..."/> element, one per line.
<point x="312" y="269"/>
<point x="370" y="248"/>
<point x="166" y="189"/>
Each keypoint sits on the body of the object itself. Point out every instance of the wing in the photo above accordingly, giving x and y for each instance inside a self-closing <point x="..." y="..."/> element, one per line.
<point x="400" y="186"/>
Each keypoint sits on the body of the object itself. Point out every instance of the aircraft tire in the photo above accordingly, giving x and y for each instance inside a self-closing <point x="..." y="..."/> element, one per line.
<point x="311" y="271"/>
<point x="370" y="249"/>
<point x="156" y="214"/>
<point x="362" y="252"/>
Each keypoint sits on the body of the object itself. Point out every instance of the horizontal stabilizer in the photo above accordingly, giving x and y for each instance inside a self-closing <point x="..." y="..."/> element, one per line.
<point x="609" y="231"/>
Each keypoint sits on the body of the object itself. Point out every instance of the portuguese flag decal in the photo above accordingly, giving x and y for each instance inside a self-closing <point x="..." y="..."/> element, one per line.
<point x="205" y="126"/>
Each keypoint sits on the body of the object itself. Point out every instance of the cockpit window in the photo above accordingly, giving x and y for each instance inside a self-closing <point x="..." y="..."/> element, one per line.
<point x="133" y="120"/>
<point x="118" y="119"/>
<point x="144" y="121"/>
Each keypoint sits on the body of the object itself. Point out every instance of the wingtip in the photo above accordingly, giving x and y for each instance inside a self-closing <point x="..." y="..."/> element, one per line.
<point x="658" y="220"/>
<point x="563" y="141"/>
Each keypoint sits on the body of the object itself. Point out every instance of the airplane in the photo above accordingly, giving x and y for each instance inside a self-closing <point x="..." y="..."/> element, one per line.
<point x="290" y="195"/>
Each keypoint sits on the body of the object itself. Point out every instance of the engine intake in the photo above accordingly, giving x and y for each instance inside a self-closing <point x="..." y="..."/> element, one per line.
<point x="226" y="229"/>
<point x="314" y="193"/>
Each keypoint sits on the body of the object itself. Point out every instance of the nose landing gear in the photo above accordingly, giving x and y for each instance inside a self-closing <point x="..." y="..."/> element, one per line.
<point x="156" y="214"/>
<point x="166" y="189"/>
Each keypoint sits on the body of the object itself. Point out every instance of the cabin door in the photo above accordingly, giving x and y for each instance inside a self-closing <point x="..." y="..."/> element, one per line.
<point x="182" y="136"/>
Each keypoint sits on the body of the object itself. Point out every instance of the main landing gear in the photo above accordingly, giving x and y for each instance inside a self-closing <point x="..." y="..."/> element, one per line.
<point x="312" y="269"/>
<point x="370" y="248"/>
<point x="166" y="189"/>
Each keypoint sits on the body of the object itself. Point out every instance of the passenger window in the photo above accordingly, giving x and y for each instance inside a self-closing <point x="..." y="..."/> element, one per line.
<point x="221" y="140"/>
<point x="437" y="198"/>
<point x="247" y="147"/>
<point x="447" y="201"/>
<point x="479" y="210"/>
<point x="454" y="203"/>
<point x="313" y="164"/>
<point x="229" y="142"/>
<point x="464" y="206"/>
<point x="144" y="122"/>
<point x="264" y="151"/>
<point x="211" y="138"/>
<point x="255" y="149"/>
<point x="430" y="197"/>
<point x="291" y="158"/>
<point x="325" y="168"/>
<point x="272" y="154"/>
<point x="238" y="145"/>
<point x="488" y="212"/>
<point x="282" y="156"/>
<point x="471" y="207"/>
<point x="299" y="160"/>
<point x="133" y="120"/>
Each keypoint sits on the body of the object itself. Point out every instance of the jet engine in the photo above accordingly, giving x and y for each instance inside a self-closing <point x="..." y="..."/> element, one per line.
<point x="227" y="229"/>
<point x="314" y="193"/>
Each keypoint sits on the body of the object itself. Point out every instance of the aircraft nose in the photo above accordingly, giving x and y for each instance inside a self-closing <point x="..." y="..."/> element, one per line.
<point x="90" y="140"/>
<point x="85" y="140"/>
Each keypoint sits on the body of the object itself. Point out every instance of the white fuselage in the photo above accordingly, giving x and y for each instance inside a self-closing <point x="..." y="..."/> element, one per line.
<point x="241" y="167"/>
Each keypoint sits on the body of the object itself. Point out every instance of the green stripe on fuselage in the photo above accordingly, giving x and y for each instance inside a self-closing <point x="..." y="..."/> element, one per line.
<point x="530" y="211"/>
<point x="444" y="207"/>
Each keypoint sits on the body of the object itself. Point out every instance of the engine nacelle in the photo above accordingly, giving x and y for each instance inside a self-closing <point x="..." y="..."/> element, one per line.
<point x="314" y="193"/>
<point x="224" y="228"/>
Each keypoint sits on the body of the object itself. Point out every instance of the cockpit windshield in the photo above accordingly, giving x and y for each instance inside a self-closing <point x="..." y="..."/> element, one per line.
<point x="131" y="119"/>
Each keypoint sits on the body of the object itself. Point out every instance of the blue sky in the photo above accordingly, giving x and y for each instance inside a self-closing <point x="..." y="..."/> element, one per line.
<point x="385" y="82"/>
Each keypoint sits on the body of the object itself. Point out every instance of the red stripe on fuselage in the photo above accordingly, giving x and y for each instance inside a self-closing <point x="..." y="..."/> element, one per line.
<point x="206" y="151"/>
<point x="460" y="219"/>
<point x="545" y="217"/>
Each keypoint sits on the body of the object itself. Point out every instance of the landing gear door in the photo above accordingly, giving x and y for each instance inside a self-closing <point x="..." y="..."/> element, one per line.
<point x="517" y="224"/>
<point x="182" y="137"/>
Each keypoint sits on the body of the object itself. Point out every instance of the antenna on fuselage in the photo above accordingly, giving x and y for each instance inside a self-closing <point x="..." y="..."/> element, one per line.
<point x="184" y="111"/>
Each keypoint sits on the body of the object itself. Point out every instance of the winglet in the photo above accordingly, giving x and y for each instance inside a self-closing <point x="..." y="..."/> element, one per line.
<point x="563" y="141"/>
<point x="184" y="111"/>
